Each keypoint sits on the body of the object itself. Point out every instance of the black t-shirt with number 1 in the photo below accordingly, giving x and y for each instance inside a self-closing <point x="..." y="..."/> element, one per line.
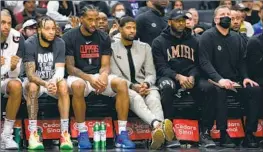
<point x="87" y="50"/>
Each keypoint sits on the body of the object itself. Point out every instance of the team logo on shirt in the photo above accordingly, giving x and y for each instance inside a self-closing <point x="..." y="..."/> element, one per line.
<point x="154" y="25"/>
<point x="89" y="51"/>
<point x="219" y="48"/>
<point x="16" y="39"/>
<point x="88" y="42"/>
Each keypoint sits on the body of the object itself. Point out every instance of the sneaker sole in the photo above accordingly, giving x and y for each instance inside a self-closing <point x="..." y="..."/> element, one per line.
<point x="168" y="130"/>
<point x="117" y="145"/>
<point x="157" y="139"/>
<point x="210" y="146"/>
<point x="84" y="147"/>
<point x="66" y="147"/>
<point x="40" y="147"/>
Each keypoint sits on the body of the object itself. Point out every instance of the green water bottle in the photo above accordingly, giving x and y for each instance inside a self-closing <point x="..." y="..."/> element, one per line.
<point x="39" y="132"/>
<point x="17" y="135"/>
<point x="96" y="135"/>
<point x="103" y="135"/>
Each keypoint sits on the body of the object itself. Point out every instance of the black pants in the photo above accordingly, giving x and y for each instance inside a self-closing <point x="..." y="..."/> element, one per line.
<point x="203" y="92"/>
<point x="250" y="98"/>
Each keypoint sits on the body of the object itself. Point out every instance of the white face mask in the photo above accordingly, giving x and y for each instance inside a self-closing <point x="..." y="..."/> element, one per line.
<point x="119" y="14"/>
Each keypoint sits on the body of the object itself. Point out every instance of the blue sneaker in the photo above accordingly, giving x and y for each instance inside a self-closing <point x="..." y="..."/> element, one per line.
<point x="123" y="141"/>
<point x="83" y="141"/>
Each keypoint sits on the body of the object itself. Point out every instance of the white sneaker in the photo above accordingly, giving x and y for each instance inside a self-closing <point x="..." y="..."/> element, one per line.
<point x="34" y="143"/>
<point x="7" y="142"/>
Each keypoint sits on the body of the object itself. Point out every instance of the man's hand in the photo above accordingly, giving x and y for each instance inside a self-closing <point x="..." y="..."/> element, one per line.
<point x="114" y="28"/>
<point x="136" y="87"/>
<point x="226" y="83"/>
<point x="192" y="80"/>
<point x="97" y="85"/>
<point x="2" y="60"/>
<point x="103" y="78"/>
<point x="144" y="89"/>
<point x="249" y="81"/>
<point x="184" y="81"/>
<point x="14" y="62"/>
<point x="51" y="87"/>
<point x="74" y="21"/>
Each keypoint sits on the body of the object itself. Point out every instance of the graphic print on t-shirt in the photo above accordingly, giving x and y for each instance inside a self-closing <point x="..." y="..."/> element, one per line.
<point x="45" y="68"/>
<point x="88" y="51"/>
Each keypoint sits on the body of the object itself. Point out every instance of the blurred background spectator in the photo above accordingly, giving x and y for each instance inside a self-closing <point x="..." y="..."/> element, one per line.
<point x="29" y="11"/>
<point x="29" y="28"/>
<point x="258" y="27"/>
<point x="101" y="5"/>
<point x="118" y="10"/>
<point x="60" y="10"/>
<point x="143" y="9"/>
<point x="251" y="15"/>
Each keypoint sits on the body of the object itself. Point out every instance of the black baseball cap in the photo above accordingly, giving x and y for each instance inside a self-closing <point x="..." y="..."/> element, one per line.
<point x="176" y="14"/>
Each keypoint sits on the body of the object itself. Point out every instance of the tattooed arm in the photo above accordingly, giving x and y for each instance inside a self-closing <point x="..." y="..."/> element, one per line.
<point x="30" y="69"/>
<point x="72" y="70"/>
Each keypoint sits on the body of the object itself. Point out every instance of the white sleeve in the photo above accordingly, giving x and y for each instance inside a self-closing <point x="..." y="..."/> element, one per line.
<point x="52" y="11"/>
<point x="250" y="30"/>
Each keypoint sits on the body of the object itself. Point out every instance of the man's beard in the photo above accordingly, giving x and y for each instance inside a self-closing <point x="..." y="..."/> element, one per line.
<point x="176" y="32"/>
<point x="45" y="39"/>
<point x="87" y="30"/>
<point x="160" y="8"/>
<point x="128" y="38"/>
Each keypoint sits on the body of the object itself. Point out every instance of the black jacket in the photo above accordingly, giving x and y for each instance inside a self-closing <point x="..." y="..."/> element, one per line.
<point x="150" y="25"/>
<point x="255" y="58"/>
<point x="167" y="62"/>
<point x="222" y="56"/>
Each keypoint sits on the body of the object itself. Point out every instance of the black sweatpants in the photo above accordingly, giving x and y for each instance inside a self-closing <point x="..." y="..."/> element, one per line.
<point x="250" y="98"/>
<point x="203" y="92"/>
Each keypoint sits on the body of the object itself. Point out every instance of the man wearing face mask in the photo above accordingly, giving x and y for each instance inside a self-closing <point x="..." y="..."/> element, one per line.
<point x="151" y="23"/>
<point x="174" y="53"/>
<point x="221" y="57"/>
<point x="118" y="10"/>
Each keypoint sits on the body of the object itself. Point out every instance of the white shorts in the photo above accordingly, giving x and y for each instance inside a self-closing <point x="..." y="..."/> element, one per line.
<point x="88" y="89"/>
<point x="42" y="90"/>
<point x="4" y="85"/>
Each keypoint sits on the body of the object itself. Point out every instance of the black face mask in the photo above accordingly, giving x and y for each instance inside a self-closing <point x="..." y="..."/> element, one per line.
<point x="225" y="22"/>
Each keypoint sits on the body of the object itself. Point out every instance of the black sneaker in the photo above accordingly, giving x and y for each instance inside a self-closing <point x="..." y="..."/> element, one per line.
<point x="206" y="140"/>
<point x="250" y="141"/>
<point x="227" y="142"/>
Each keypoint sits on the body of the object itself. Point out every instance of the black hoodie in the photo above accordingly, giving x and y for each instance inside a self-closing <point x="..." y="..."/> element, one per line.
<point x="164" y="50"/>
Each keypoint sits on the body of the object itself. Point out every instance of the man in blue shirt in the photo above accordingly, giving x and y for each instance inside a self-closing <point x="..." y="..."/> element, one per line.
<point x="258" y="27"/>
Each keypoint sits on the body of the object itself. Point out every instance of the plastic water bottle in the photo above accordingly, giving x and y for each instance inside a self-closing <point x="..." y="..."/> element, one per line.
<point x="96" y="137"/>
<point x="103" y="135"/>
<point x="17" y="135"/>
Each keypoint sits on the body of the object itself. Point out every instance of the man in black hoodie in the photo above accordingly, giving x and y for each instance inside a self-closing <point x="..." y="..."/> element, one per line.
<point x="222" y="59"/>
<point x="174" y="57"/>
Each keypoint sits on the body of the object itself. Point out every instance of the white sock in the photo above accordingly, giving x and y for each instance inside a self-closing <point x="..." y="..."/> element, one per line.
<point x="32" y="125"/>
<point x="82" y="127"/>
<point x="8" y="126"/>
<point x="64" y="125"/>
<point x="122" y="125"/>
<point x="156" y="124"/>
